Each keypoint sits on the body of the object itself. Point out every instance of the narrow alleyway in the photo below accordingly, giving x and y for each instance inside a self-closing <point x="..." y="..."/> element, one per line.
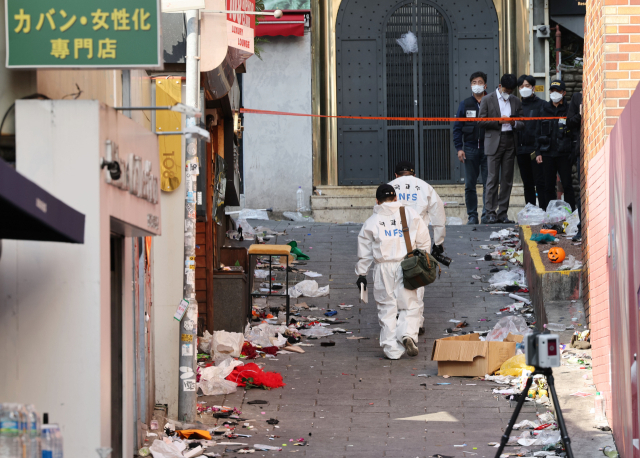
<point x="349" y="401"/>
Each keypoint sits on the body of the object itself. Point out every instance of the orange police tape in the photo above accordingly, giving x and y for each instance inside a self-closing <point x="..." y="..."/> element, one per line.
<point x="383" y="118"/>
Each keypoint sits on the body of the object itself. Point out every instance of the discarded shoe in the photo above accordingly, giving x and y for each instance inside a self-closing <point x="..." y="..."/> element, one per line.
<point x="410" y="345"/>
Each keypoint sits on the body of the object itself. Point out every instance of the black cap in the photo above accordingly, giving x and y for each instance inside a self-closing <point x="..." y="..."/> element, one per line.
<point x="384" y="191"/>
<point x="405" y="166"/>
<point x="557" y="85"/>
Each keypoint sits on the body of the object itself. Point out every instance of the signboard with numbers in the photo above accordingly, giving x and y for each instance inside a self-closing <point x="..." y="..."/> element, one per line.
<point x="81" y="33"/>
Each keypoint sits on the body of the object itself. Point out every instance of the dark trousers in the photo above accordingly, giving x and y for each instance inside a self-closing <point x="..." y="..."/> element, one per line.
<point x="500" y="177"/>
<point x="474" y="165"/>
<point x="560" y="165"/>
<point x="532" y="179"/>
<point x="578" y="197"/>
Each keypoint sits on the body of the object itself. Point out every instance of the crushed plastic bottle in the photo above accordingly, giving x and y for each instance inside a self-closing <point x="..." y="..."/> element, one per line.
<point x="600" y="408"/>
<point x="300" y="199"/>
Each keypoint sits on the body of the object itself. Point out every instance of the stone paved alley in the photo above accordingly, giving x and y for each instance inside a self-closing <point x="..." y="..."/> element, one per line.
<point x="347" y="400"/>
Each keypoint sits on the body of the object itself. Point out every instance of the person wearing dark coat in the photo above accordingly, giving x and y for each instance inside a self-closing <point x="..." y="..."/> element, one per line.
<point x="574" y="122"/>
<point x="530" y="170"/>
<point x="554" y="145"/>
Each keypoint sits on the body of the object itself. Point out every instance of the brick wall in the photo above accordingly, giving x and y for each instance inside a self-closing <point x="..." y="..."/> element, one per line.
<point x="611" y="73"/>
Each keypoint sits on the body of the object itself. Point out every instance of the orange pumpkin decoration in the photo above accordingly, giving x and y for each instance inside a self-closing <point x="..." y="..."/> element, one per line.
<point x="556" y="254"/>
<point x="552" y="232"/>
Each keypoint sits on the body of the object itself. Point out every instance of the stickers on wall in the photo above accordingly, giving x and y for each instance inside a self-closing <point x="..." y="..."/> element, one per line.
<point x="187" y="349"/>
<point x="182" y="308"/>
<point x="188" y="325"/>
<point x="186" y="338"/>
<point x="189" y="385"/>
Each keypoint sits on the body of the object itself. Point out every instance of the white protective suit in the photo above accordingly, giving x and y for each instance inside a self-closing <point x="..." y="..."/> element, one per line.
<point x="420" y="195"/>
<point x="381" y="240"/>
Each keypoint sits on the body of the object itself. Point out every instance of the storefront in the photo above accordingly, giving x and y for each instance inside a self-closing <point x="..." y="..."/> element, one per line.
<point x="76" y="320"/>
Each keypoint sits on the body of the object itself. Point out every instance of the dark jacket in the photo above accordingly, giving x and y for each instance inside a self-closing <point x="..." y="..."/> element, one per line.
<point x="526" y="139"/>
<point x="468" y="133"/>
<point x="574" y="122"/>
<point x="553" y="136"/>
<point x="490" y="108"/>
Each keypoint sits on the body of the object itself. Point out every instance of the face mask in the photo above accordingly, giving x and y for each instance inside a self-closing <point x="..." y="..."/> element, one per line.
<point x="505" y="96"/>
<point x="477" y="89"/>
<point x="526" y="92"/>
<point x="555" y="97"/>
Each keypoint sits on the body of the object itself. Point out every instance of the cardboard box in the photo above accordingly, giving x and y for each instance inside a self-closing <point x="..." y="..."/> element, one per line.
<point x="468" y="356"/>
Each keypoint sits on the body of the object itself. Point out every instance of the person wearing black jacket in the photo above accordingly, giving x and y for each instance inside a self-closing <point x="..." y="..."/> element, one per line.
<point x="554" y="145"/>
<point x="574" y="122"/>
<point x="468" y="139"/>
<point x="530" y="170"/>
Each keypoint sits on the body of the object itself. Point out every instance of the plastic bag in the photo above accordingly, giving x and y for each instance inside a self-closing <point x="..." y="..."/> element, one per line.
<point x="573" y="220"/>
<point x="160" y="449"/>
<point x="509" y="277"/>
<point x="226" y="344"/>
<point x="212" y="379"/>
<point x="316" y="331"/>
<point x="514" y="366"/>
<point x="241" y="219"/>
<point x="510" y="324"/>
<point x="531" y="215"/>
<point x="557" y="211"/>
<point x="308" y="288"/>
<point x="453" y="221"/>
<point x="541" y="438"/>
<point x="258" y="335"/>
<point x="499" y="235"/>
<point x="408" y="42"/>
<point x="297" y="216"/>
<point x="204" y="342"/>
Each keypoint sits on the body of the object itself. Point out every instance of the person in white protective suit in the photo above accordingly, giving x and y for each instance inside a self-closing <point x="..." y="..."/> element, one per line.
<point x="420" y="195"/>
<point x="381" y="242"/>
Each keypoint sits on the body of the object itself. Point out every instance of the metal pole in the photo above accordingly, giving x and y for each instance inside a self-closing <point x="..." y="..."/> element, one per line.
<point x="189" y="324"/>
<point x="558" y="57"/>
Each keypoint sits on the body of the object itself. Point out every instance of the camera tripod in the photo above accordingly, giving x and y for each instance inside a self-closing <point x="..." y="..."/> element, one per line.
<point x="552" y="389"/>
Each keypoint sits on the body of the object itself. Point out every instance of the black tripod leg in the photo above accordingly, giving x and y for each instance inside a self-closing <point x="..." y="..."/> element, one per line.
<point x="514" y="417"/>
<point x="559" y="417"/>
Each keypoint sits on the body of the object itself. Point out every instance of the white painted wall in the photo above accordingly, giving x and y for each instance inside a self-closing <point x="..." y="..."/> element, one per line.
<point x="55" y="327"/>
<point x="278" y="149"/>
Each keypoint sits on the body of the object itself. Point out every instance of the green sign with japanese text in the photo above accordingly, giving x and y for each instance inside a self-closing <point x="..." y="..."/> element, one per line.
<point x="83" y="33"/>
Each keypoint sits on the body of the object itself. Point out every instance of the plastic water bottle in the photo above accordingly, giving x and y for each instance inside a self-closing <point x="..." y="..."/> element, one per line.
<point x="556" y="327"/>
<point x="25" y="440"/>
<point x="600" y="408"/>
<point x="58" y="453"/>
<point x="10" y="446"/>
<point x="48" y="441"/>
<point x="34" y="433"/>
<point x="300" y="199"/>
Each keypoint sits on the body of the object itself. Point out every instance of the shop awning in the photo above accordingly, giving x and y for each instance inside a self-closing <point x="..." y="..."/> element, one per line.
<point x="290" y="24"/>
<point x="31" y="213"/>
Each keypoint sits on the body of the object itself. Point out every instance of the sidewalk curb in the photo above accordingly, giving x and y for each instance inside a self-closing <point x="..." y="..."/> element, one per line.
<point x="546" y="286"/>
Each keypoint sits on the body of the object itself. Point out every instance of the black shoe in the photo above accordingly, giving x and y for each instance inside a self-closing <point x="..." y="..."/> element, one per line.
<point x="492" y="219"/>
<point x="472" y="220"/>
<point x="577" y="237"/>
<point x="421" y="331"/>
<point x="506" y="221"/>
<point x="410" y="345"/>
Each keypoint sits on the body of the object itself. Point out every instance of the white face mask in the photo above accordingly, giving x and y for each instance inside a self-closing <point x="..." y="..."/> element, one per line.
<point x="555" y="97"/>
<point x="477" y="89"/>
<point x="526" y="92"/>
<point x="505" y="96"/>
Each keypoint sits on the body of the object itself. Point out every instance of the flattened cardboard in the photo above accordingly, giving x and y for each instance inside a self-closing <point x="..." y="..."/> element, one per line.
<point x="468" y="356"/>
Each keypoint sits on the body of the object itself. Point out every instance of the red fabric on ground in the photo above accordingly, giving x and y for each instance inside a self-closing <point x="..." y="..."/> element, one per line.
<point x="253" y="371"/>
<point x="249" y="351"/>
<point x="270" y="350"/>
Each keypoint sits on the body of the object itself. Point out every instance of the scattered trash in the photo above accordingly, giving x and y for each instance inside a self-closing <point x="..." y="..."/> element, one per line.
<point x="297" y="216"/>
<point x="571" y="264"/>
<point x="226" y="345"/>
<point x="213" y="379"/>
<point x="504" y="278"/>
<point x="273" y="421"/>
<point x="531" y="215"/>
<point x="331" y="313"/>
<point x="308" y="288"/>
<point x="467" y="355"/>
<point x="557" y="211"/>
<point x="515" y="325"/>
<point x="257" y="402"/>
<point x="296" y="251"/>
<point x="542" y="238"/>
<point x="316" y="331"/>
<point x="514" y="366"/>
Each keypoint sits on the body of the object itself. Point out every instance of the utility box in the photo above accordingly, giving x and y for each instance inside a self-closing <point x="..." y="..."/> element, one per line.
<point x="230" y="292"/>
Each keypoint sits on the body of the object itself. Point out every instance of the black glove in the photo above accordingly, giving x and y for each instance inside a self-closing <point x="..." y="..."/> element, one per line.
<point x="438" y="249"/>
<point x="362" y="280"/>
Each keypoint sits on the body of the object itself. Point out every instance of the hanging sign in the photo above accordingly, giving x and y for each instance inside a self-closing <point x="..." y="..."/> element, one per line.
<point x="241" y="27"/>
<point x="80" y="33"/>
<point x="168" y="93"/>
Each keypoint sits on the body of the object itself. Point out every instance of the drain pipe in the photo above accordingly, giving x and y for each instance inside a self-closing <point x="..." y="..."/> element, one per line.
<point x="558" y="53"/>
